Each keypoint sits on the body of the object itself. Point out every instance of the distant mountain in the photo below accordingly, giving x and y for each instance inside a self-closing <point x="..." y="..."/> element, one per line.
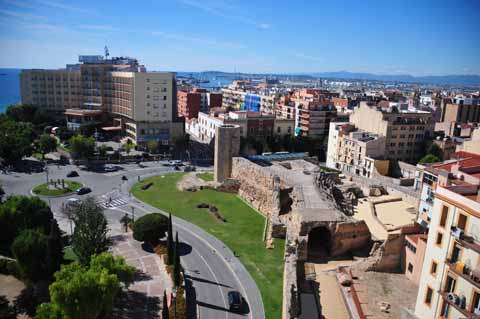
<point x="469" y="80"/>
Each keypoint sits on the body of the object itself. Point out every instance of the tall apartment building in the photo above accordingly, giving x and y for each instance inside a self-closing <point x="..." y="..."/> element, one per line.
<point x="450" y="281"/>
<point x="404" y="131"/>
<point x="142" y="105"/>
<point x="189" y="104"/>
<point x="214" y="99"/>
<point x="459" y="110"/>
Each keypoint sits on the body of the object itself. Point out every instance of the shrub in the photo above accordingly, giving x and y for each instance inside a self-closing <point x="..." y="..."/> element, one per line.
<point x="150" y="228"/>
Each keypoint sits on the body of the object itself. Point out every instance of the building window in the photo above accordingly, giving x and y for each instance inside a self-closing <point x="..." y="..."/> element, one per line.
<point x="428" y="296"/>
<point x="462" y="221"/>
<point x="439" y="239"/>
<point x="433" y="268"/>
<point x="410" y="267"/>
<point x="411" y="247"/>
<point x="475" y="303"/>
<point x="443" y="217"/>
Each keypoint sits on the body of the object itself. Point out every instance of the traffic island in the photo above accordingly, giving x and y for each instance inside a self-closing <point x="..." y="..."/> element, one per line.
<point x="57" y="188"/>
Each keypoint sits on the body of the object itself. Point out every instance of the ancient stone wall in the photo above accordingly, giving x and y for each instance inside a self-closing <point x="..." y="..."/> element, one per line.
<point x="349" y="236"/>
<point x="258" y="186"/>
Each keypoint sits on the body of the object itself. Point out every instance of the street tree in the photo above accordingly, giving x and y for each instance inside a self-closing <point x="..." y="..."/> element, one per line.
<point x="82" y="293"/>
<point x="15" y="140"/>
<point x="102" y="150"/>
<point x="82" y="147"/>
<point x="114" y="265"/>
<point x="150" y="228"/>
<point x="46" y="144"/>
<point x="90" y="234"/>
<point x="152" y="146"/>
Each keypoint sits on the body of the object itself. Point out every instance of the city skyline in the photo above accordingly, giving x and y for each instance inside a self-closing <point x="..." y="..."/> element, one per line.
<point x="192" y="35"/>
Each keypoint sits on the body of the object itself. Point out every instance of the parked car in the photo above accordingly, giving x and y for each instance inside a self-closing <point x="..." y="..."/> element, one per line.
<point x="83" y="190"/>
<point x="109" y="168"/>
<point x="72" y="174"/>
<point x="234" y="300"/>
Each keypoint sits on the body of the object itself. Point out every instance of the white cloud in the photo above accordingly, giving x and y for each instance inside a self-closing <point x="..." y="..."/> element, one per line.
<point x="225" y="9"/>
<point x="63" y="6"/>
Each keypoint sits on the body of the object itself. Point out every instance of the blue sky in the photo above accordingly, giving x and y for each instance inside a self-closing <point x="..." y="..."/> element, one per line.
<point x="419" y="37"/>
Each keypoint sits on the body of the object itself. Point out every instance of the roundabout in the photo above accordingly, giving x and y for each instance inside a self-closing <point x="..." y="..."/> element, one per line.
<point x="56" y="189"/>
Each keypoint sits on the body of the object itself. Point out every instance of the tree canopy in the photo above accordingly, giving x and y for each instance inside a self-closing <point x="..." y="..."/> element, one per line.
<point x="90" y="234"/>
<point x="150" y="228"/>
<point x="82" y="147"/>
<point x="429" y="158"/>
<point x="81" y="292"/>
<point x="30" y="249"/>
<point x="46" y="144"/>
<point x="18" y="213"/>
<point x="15" y="140"/>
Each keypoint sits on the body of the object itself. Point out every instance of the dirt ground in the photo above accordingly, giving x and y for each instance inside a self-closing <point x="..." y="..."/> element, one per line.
<point x="10" y="287"/>
<point x="375" y="287"/>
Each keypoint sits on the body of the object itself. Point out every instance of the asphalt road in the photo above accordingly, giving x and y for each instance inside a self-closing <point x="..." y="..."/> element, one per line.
<point x="211" y="268"/>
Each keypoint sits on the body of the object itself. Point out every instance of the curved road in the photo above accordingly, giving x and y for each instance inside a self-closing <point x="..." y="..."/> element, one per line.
<point x="211" y="268"/>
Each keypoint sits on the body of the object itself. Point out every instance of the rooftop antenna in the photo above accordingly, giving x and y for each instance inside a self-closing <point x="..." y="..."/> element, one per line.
<point x="107" y="54"/>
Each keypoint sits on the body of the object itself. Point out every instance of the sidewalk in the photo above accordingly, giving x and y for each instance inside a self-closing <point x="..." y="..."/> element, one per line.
<point x="152" y="278"/>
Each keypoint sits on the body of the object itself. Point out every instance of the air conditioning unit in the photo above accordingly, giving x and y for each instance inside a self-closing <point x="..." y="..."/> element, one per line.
<point x="457" y="233"/>
<point x="451" y="297"/>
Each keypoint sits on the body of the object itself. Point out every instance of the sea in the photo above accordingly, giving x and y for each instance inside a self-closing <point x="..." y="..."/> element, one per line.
<point x="9" y="87"/>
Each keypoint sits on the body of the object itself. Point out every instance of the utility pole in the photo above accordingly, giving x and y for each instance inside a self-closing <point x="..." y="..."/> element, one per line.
<point x="133" y="214"/>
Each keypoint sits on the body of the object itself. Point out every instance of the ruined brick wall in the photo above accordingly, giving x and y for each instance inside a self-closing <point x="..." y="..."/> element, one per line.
<point x="258" y="187"/>
<point x="348" y="236"/>
<point x="387" y="257"/>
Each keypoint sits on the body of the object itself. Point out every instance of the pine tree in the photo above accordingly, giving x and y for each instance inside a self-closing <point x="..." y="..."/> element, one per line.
<point x="176" y="263"/>
<point x="170" y="247"/>
<point x="165" y="314"/>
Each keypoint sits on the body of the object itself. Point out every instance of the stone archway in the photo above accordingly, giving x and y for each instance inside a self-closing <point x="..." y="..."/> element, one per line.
<point x="319" y="244"/>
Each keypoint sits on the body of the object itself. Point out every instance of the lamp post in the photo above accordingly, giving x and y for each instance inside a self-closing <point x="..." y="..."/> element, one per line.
<point x="133" y="214"/>
<point x="46" y="172"/>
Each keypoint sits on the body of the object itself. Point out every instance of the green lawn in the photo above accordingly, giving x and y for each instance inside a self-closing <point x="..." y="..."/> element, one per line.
<point x="242" y="232"/>
<point x="206" y="176"/>
<point x="43" y="189"/>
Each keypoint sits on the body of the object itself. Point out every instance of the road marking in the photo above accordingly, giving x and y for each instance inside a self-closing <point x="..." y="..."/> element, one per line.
<point x="213" y="248"/>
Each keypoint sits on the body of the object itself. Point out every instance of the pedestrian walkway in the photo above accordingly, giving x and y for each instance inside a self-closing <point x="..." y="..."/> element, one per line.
<point x="111" y="203"/>
<point x="151" y="280"/>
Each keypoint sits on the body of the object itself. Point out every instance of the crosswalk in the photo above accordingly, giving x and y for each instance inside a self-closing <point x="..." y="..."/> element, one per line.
<point x="107" y="203"/>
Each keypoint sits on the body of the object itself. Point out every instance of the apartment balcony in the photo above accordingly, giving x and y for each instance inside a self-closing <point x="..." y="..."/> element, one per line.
<point x="466" y="241"/>
<point x="457" y="307"/>
<point x="471" y="276"/>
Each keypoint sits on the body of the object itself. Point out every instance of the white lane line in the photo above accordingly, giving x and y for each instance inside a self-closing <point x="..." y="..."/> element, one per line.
<point x="218" y="286"/>
<point x="213" y="248"/>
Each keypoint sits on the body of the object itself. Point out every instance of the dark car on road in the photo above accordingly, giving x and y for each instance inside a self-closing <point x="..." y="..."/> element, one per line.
<point x="72" y="174"/>
<point x="234" y="300"/>
<point x="83" y="190"/>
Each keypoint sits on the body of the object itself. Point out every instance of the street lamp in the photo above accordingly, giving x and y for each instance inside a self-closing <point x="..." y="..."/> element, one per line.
<point x="46" y="172"/>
